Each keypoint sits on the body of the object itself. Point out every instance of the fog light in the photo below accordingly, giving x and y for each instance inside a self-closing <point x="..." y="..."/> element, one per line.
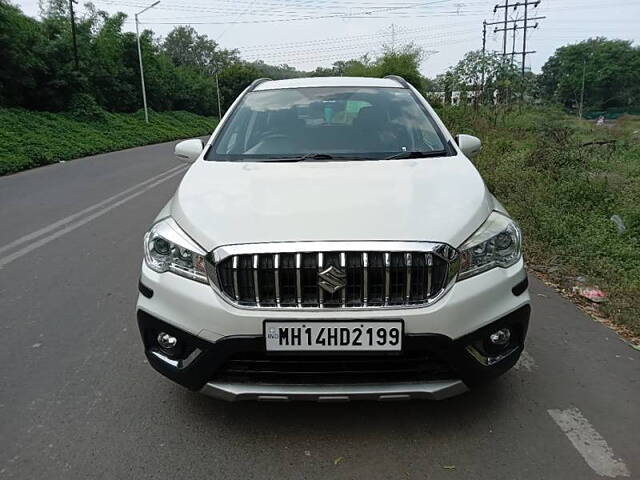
<point x="166" y="341"/>
<point x="501" y="337"/>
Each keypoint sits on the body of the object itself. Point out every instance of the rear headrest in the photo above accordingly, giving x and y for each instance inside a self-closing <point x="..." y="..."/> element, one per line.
<point x="369" y="116"/>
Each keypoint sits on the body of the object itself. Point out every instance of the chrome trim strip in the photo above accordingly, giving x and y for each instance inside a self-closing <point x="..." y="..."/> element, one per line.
<point x="298" y="280"/>
<point x="433" y="390"/>
<point x="407" y="262"/>
<point x="236" y="291"/>
<point x="387" y="277"/>
<point x="488" y="361"/>
<point x="224" y="251"/>
<point x="177" y="363"/>
<point x="276" y="276"/>
<point x="256" y="289"/>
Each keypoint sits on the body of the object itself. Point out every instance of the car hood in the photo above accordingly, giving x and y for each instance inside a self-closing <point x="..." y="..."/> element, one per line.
<point x="433" y="199"/>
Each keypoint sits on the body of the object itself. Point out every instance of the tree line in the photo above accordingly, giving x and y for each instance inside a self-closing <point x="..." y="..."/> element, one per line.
<point x="37" y="69"/>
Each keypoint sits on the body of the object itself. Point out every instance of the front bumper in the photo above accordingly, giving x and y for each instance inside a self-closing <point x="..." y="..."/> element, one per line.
<point x="437" y="341"/>
<point x="238" y="368"/>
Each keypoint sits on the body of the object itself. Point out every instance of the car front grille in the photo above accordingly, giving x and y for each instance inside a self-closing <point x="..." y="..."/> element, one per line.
<point x="260" y="368"/>
<point x="283" y="277"/>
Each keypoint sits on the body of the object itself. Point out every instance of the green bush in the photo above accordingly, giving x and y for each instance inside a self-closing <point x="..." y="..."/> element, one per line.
<point x="563" y="192"/>
<point x="30" y="139"/>
<point x="84" y="107"/>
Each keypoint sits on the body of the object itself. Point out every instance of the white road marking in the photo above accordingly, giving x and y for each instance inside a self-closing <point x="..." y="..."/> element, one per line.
<point x="525" y="362"/>
<point x="72" y="226"/>
<point x="70" y="218"/>
<point x="589" y="443"/>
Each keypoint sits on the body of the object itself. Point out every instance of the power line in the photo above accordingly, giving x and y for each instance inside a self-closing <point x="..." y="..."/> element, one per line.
<point x="364" y="9"/>
<point x="339" y="42"/>
<point x="419" y="39"/>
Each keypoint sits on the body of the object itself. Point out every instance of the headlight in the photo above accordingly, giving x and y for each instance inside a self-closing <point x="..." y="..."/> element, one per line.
<point x="497" y="243"/>
<point x="168" y="249"/>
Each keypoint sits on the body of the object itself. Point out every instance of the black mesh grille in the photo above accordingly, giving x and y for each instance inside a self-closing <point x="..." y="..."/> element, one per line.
<point x="362" y="279"/>
<point x="260" y="368"/>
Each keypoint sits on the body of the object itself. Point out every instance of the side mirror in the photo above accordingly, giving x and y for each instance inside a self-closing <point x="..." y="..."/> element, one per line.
<point x="469" y="144"/>
<point x="189" y="150"/>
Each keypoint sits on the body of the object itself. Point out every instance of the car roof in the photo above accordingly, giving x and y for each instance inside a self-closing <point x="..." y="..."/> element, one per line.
<point x="328" y="82"/>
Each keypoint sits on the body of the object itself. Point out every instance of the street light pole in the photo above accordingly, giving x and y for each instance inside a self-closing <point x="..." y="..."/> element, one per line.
<point x="218" y="92"/>
<point x="144" y="93"/>
<point x="584" y="71"/>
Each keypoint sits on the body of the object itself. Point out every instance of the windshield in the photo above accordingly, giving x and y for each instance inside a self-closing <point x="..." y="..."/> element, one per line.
<point x="328" y="122"/>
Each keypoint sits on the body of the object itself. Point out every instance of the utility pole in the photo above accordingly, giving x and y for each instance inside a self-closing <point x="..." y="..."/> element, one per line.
<point x="484" y="49"/>
<point x="504" y="38"/>
<point x="513" y="44"/>
<point x="144" y="92"/>
<point x="524" y="28"/>
<point x="524" y="38"/>
<point x="513" y="29"/>
<point x="515" y="6"/>
<point x="73" y="34"/>
<point x="584" y="71"/>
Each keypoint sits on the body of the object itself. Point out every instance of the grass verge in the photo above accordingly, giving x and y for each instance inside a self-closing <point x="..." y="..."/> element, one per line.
<point x="30" y="139"/>
<point x="563" y="179"/>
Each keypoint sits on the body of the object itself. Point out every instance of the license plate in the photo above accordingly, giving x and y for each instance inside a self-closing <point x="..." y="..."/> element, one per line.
<point x="345" y="336"/>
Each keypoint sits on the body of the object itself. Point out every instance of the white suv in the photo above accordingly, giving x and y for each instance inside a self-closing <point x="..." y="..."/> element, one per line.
<point x="332" y="241"/>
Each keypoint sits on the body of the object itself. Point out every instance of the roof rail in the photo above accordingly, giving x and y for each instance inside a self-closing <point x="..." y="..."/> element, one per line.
<point x="257" y="82"/>
<point x="398" y="79"/>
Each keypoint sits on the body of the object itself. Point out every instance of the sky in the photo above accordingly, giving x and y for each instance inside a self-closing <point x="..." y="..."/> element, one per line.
<point x="310" y="33"/>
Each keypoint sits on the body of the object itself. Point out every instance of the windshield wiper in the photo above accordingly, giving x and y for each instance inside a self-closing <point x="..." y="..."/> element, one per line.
<point x="301" y="158"/>
<point x="417" y="154"/>
<point x="310" y="156"/>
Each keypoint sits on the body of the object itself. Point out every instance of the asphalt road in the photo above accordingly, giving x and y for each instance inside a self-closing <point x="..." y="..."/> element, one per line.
<point x="77" y="399"/>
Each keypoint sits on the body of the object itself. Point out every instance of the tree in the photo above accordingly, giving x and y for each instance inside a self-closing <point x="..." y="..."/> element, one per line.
<point x="404" y="62"/>
<point x="501" y="78"/>
<point x="234" y="79"/>
<point x="611" y="71"/>
<point x="276" y="72"/>
<point x="20" y="64"/>
<point x="185" y="47"/>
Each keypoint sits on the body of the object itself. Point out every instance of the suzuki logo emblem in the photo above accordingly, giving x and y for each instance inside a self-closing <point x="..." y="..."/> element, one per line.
<point x="332" y="279"/>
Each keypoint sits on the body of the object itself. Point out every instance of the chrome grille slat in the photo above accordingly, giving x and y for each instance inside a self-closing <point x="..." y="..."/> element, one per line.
<point x="387" y="277"/>
<point x="276" y="277"/>
<point x="408" y="260"/>
<point x="429" y="260"/>
<point x="236" y="290"/>
<point x="365" y="278"/>
<point x="320" y="290"/>
<point x="298" y="280"/>
<point x="256" y="283"/>
<point x="374" y="278"/>
<point x="343" y="265"/>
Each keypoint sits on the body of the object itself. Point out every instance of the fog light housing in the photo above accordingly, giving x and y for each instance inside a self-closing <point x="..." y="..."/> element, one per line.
<point x="167" y="342"/>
